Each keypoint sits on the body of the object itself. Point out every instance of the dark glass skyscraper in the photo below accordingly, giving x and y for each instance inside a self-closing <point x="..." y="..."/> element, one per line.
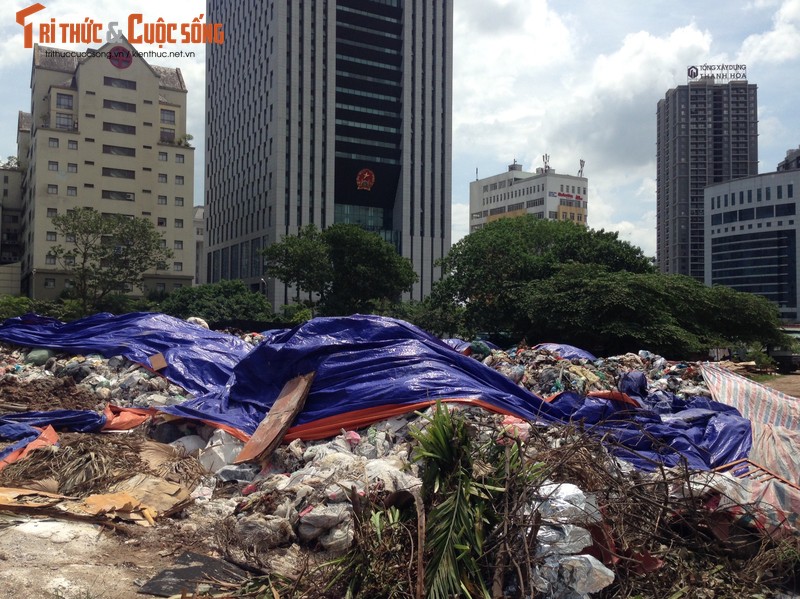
<point x="707" y="133"/>
<point x="327" y="111"/>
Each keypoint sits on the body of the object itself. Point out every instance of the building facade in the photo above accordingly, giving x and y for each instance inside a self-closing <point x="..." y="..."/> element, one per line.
<point x="106" y="131"/>
<point x="200" y="245"/>
<point x="707" y="133"/>
<point x="545" y="194"/>
<point x="791" y="162"/>
<point x="751" y="237"/>
<point x="324" y="112"/>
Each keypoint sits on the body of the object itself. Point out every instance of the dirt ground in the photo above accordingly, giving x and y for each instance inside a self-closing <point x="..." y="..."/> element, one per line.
<point x="788" y="383"/>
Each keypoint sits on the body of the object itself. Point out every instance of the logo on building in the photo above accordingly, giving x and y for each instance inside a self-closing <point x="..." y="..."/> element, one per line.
<point x="120" y="57"/>
<point x="717" y="72"/>
<point x="365" y="179"/>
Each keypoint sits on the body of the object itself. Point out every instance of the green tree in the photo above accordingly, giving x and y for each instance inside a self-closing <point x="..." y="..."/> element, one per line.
<point x="487" y="272"/>
<point x="348" y="268"/>
<point x="14" y="305"/>
<point x="218" y="302"/>
<point x="616" y="312"/>
<point x="107" y="254"/>
<point x="367" y="271"/>
<point x="302" y="261"/>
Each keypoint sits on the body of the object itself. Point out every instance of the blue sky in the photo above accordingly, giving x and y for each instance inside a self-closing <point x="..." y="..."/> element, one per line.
<point x="572" y="79"/>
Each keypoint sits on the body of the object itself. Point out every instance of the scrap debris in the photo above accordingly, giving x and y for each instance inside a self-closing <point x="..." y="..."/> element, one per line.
<point x="564" y="515"/>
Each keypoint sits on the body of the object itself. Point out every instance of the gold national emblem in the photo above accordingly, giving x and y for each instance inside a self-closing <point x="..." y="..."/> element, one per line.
<point x="365" y="179"/>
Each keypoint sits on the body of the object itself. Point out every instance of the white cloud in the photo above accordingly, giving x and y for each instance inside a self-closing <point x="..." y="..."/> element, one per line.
<point x="779" y="44"/>
<point x="602" y="111"/>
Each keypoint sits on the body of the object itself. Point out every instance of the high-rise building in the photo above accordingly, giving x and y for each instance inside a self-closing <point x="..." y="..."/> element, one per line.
<point x="707" y="133"/>
<point x="751" y="237"/>
<point x="545" y="194"/>
<point x="323" y="112"/>
<point x="106" y="131"/>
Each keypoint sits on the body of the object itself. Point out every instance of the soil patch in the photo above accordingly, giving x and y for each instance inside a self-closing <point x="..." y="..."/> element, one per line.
<point x="44" y="394"/>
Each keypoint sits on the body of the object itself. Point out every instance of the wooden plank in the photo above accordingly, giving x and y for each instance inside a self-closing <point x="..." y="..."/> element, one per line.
<point x="271" y="430"/>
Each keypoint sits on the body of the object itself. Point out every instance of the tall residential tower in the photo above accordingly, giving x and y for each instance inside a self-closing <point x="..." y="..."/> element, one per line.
<point x="323" y="112"/>
<point x="707" y="134"/>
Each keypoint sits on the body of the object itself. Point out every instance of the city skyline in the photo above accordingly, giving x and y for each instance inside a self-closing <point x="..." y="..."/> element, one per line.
<point x="561" y="78"/>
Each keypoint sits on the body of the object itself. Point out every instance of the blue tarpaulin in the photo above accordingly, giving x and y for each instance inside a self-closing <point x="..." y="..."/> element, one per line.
<point x="568" y="352"/>
<point x="368" y="365"/>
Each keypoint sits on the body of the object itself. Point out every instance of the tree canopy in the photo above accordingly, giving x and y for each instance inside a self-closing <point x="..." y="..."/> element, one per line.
<point x="218" y="302"/>
<point x="348" y="268"/>
<point x="556" y="281"/>
<point x="107" y="254"/>
<point x="487" y="272"/>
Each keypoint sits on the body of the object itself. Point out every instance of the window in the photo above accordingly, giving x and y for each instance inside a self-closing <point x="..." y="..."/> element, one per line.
<point x="123" y="83"/>
<point x="72" y="191"/>
<point x="72" y="144"/>
<point x="72" y="167"/>
<point x="64" y="121"/>
<point x="52" y="166"/>
<point x="161" y="287"/>
<point x="120" y="173"/>
<point x="167" y="116"/>
<point x="179" y="201"/>
<point x="179" y="158"/>
<point x="52" y="212"/>
<point x="177" y="266"/>
<point x="162" y="156"/>
<point x="51" y="236"/>
<point x="119" y="128"/>
<point x="162" y="200"/>
<point x="117" y="105"/>
<point x="178" y="179"/>
<point x="162" y="177"/>
<point x="49" y="283"/>
<point x="790" y="190"/>
<point x="108" y="194"/>
<point x="118" y="150"/>
<point x="162" y="221"/>
<point x="49" y="259"/>
<point x="178" y="244"/>
<point x="167" y="135"/>
<point x="779" y="192"/>
<point x="53" y="142"/>
<point x="52" y="189"/>
<point x="64" y="101"/>
<point x="179" y="223"/>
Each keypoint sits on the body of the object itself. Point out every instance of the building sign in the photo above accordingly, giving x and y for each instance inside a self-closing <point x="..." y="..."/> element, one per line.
<point x="365" y="179"/>
<point x="120" y="57"/>
<point x="718" y="72"/>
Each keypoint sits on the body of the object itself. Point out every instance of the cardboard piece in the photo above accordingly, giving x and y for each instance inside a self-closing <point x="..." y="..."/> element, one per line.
<point x="273" y="427"/>
<point x="157" y="361"/>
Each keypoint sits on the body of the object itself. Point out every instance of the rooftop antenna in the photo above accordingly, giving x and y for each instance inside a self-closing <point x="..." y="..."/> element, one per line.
<point x="580" y="172"/>
<point x="476" y="173"/>
<point x="546" y="160"/>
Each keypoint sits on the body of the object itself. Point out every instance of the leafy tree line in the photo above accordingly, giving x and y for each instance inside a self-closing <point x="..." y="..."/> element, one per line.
<point x="544" y="280"/>
<point x="523" y="278"/>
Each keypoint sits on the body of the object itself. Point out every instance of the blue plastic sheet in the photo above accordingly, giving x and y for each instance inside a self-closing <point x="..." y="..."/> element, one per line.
<point x="568" y="352"/>
<point x="367" y="363"/>
<point x="198" y="360"/>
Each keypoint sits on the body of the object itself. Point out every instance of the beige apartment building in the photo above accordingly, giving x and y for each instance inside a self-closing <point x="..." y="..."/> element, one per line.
<point x="106" y="130"/>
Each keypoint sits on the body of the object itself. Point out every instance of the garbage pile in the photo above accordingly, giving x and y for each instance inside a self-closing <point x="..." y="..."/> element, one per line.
<point x="554" y="487"/>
